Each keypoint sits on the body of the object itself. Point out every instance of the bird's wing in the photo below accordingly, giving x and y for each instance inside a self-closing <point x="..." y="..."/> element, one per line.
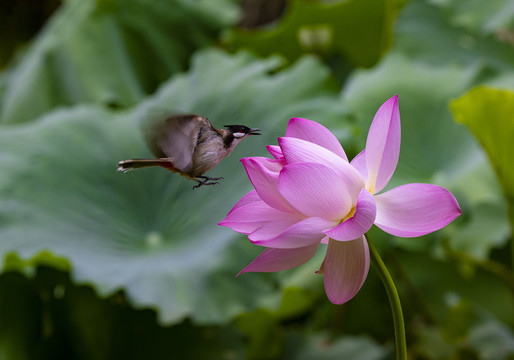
<point x="176" y="138"/>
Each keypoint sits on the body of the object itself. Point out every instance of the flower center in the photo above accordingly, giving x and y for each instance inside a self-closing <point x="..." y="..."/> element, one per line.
<point x="370" y="188"/>
<point x="349" y="215"/>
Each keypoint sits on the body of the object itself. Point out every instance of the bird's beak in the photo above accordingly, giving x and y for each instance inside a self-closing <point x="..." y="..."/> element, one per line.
<point x="254" y="132"/>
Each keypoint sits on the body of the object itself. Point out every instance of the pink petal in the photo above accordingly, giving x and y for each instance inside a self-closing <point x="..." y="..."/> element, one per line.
<point x="383" y="145"/>
<point x="275" y="151"/>
<point x="415" y="209"/>
<point x="300" y="151"/>
<point x="263" y="173"/>
<point x="249" y="216"/>
<point x="280" y="259"/>
<point x="272" y="229"/>
<point x="359" y="223"/>
<point x="315" y="133"/>
<point x="315" y="190"/>
<point x="345" y="268"/>
<point x="248" y="198"/>
<point x="283" y="235"/>
<point x="359" y="163"/>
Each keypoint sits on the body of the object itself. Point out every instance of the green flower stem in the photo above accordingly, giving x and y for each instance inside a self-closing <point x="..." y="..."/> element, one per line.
<point x="394" y="300"/>
<point x="510" y="210"/>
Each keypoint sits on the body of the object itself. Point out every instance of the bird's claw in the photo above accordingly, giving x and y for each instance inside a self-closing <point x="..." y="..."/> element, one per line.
<point x="206" y="180"/>
<point x="201" y="183"/>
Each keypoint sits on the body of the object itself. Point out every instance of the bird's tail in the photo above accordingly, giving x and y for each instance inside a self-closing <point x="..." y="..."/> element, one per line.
<point x="127" y="165"/>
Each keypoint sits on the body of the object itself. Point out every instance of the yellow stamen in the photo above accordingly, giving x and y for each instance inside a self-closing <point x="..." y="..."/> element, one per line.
<point x="349" y="215"/>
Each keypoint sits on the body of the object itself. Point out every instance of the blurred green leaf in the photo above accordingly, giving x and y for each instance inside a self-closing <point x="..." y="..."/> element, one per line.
<point x="492" y="340"/>
<point x="265" y="337"/>
<point x="487" y="226"/>
<point x="109" y="52"/>
<point x="489" y="115"/>
<point x="20" y="21"/>
<point x="439" y="282"/>
<point x="13" y="262"/>
<point x="48" y="317"/>
<point x="430" y="344"/>
<point x="360" y="31"/>
<point x="459" y="319"/>
<point x="297" y="300"/>
<point x="21" y="318"/>
<point x="147" y="232"/>
<point x="322" y="347"/>
<point x="424" y="32"/>
<point x="483" y="16"/>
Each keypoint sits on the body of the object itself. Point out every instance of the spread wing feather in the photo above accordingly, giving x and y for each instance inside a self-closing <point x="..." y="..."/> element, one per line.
<point x="176" y="139"/>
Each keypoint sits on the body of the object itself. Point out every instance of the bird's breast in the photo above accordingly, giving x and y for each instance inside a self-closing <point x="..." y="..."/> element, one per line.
<point x="208" y="154"/>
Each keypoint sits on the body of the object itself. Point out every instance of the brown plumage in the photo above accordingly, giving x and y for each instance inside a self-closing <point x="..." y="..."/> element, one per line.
<point x="188" y="144"/>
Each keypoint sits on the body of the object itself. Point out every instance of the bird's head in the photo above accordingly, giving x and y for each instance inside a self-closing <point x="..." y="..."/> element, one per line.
<point x="236" y="133"/>
<point x="241" y="131"/>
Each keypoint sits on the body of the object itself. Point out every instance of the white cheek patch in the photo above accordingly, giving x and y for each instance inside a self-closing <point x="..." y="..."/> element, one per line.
<point x="239" y="134"/>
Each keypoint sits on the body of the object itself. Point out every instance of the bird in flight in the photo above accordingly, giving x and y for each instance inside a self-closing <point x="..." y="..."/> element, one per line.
<point x="188" y="144"/>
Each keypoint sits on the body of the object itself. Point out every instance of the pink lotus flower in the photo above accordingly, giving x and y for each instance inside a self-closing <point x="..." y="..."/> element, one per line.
<point x="310" y="194"/>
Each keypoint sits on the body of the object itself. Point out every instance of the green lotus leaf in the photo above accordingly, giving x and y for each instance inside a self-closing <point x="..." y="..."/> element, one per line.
<point x="20" y="313"/>
<point x="109" y="52"/>
<point x="48" y="316"/>
<point x="486" y="17"/>
<point x="323" y="347"/>
<point x="268" y="338"/>
<point x="358" y="30"/>
<point x="423" y="31"/>
<point x="439" y="284"/>
<point x="492" y="339"/>
<point x="147" y="232"/>
<point x="489" y="115"/>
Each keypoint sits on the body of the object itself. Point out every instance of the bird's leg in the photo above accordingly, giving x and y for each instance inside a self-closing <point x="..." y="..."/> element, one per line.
<point x="205" y="181"/>
<point x="210" y="178"/>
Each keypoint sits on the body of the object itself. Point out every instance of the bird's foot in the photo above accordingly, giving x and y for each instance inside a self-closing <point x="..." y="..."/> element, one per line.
<point x="202" y="183"/>
<point x="206" y="181"/>
<point x="211" y="178"/>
